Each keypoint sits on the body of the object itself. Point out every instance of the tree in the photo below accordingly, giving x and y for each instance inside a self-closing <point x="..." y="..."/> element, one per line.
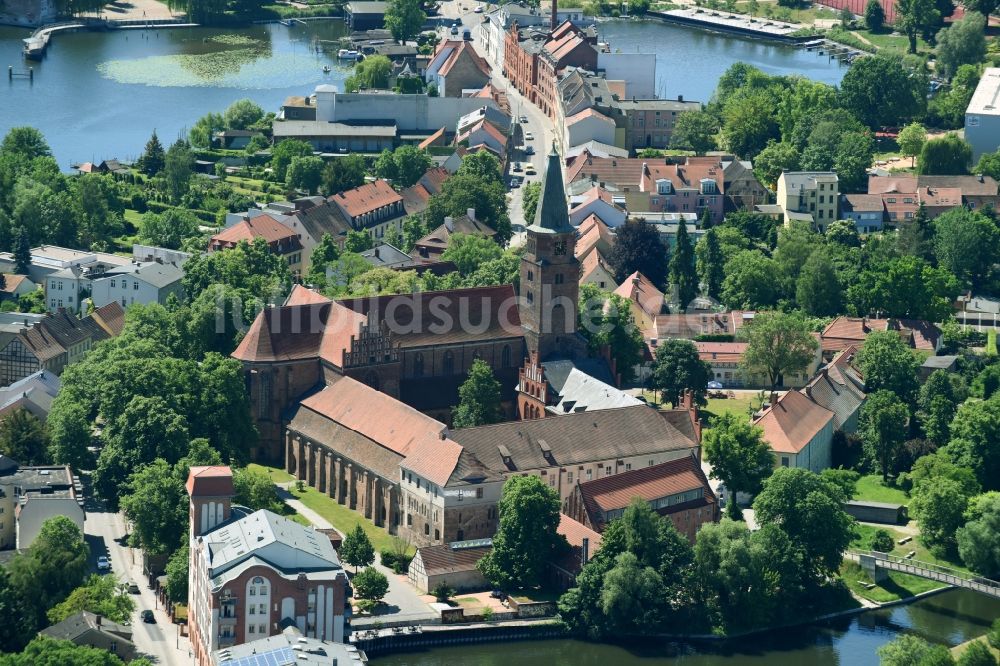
<point x="478" y="185"/>
<point x="45" y="651"/>
<point x="241" y="114"/>
<point x="358" y="241"/>
<point x="631" y="595"/>
<point x="883" y="427"/>
<point x="710" y="263"/>
<point x="204" y="129"/>
<point x="357" y="549"/>
<point x="638" y="248"/>
<point x="966" y="243"/>
<point x="979" y="539"/>
<point x="178" y="574"/>
<point x="917" y="237"/>
<point x="24" y="438"/>
<point x="404" y="166"/>
<point x="324" y="254"/>
<point x="343" y="173"/>
<point x="404" y="19"/>
<point x="283" y="153"/>
<point x="526" y="539"/>
<point x="370" y="584"/>
<point x="882" y="541"/>
<point x="887" y="363"/>
<point x="21" y="240"/>
<point x="977" y="654"/>
<point x="695" y="130"/>
<point x="809" y="509"/>
<point x="153" y="157"/>
<point x="874" y="16"/>
<point x="154" y="500"/>
<point x="304" y="173"/>
<point x="939" y="507"/>
<point x="778" y="344"/>
<point x="25" y="143"/>
<point x="749" y="123"/>
<point x="178" y="167"/>
<point x="964" y="43"/>
<point x="683" y="275"/>
<point x="818" y="290"/>
<point x="914" y="17"/>
<point x="608" y="322"/>
<point x="749" y="281"/>
<point x="529" y="200"/>
<point x="168" y="229"/>
<point x="255" y="490"/>
<point x="948" y="155"/>
<point x="478" y="398"/>
<point x="974" y="433"/>
<point x="937" y="404"/>
<point x="993" y="637"/>
<point x="102" y="595"/>
<point x="911" y="139"/>
<point x="910" y="650"/>
<point x="469" y="251"/>
<point x="739" y="457"/>
<point x="880" y="90"/>
<point x="775" y="158"/>
<point x="372" y="72"/>
<point x="678" y="368"/>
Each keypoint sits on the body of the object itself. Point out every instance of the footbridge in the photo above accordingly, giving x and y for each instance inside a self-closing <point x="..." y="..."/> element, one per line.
<point x="877" y="565"/>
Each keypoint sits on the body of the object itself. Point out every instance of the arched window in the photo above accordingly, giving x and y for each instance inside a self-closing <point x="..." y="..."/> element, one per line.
<point x="448" y="364"/>
<point x="418" y="365"/>
<point x="505" y="357"/>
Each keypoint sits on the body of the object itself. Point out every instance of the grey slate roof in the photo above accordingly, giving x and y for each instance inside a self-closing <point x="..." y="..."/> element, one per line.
<point x="580" y="438"/>
<point x="552" y="214"/>
<point x="385" y="255"/>
<point x="843" y="399"/>
<point x="152" y="272"/>
<point x="584" y="385"/>
<point x="80" y="623"/>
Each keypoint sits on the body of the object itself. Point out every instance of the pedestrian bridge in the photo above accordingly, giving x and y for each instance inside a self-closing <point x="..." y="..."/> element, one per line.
<point x="878" y="564"/>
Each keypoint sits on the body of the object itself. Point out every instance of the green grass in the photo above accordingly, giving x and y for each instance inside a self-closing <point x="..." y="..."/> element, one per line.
<point x="957" y="651"/>
<point x="133" y="217"/>
<point x="277" y="475"/>
<point x="739" y="406"/>
<point x="922" y="553"/>
<point x="897" y="586"/>
<point x="893" y="42"/>
<point x="871" y="489"/>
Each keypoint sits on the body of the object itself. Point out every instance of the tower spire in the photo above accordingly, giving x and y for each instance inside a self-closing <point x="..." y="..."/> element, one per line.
<point x="551" y="214"/>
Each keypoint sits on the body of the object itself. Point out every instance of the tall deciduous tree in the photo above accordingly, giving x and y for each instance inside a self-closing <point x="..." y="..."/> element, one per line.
<point x="370" y="584"/>
<point x="241" y="114"/>
<point x="283" y="153"/>
<point x="738" y="456"/>
<point x="404" y="18"/>
<point x="887" y="363"/>
<point x="678" y="368"/>
<point x="963" y="43"/>
<point x="526" y="539"/>
<point x="775" y="158"/>
<point x="778" y="344"/>
<point x="178" y="169"/>
<point x="979" y="539"/>
<point x="750" y="281"/>
<point x="24" y="438"/>
<point x="357" y="549"/>
<point x="304" y="173"/>
<point x="102" y="595"/>
<point x="695" y="130"/>
<point x="880" y="90"/>
<point x="479" y="397"/>
<point x="914" y="17"/>
<point x="178" y="573"/>
<point x="939" y="507"/>
<point x="967" y="243"/>
<point x="638" y="248"/>
<point x="818" y="290"/>
<point x="949" y="155"/>
<point x="883" y="428"/>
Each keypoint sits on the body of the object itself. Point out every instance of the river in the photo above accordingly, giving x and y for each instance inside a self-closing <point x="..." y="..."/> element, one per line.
<point x="98" y="95"/>
<point x="949" y="618"/>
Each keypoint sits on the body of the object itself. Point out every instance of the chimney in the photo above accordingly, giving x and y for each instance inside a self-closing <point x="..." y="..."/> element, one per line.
<point x="680" y="98"/>
<point x="635" y="279"/>
<point x="376" y="253"/>
<point x="980" y="177"/>
<point x="774" y="398"/>
<point x="470" y="213"/>
<point x="449" y="224"/>
<point x="97" y="619"/>
<point x="553" y="21"/>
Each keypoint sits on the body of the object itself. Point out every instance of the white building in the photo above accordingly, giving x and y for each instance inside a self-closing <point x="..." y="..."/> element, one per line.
<point x="143" y="283"/>
<point x="588" y="125"/>
<point x="31" y="495"/>
<point x="982" y="117"/>
<point x="799" y="432"/>
<point x="636" y="70"/>
<point x="809" y="196"/>
<point x="64" y="273"/>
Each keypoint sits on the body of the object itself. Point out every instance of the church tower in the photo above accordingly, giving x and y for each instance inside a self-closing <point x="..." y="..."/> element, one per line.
<point x="550" y="272"/>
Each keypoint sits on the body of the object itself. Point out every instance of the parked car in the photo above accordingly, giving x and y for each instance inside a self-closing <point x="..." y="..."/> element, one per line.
<point x="148" y="617"/>
<point x="524" y="120"/>
<point x="132" y="587"/>
<point x="528" y="136"/>
<point x="529" y="150"/>
<point x="516" y="168"/>
<point x="530" y="170"/>
<point x="103" y="563"/>
<point x="454" y="30"/>
<point x="478" y="9"/>
<point x="515" y="183"/>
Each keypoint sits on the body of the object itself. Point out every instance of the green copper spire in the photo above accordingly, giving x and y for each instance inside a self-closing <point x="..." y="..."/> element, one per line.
<point x="552" y="214"/>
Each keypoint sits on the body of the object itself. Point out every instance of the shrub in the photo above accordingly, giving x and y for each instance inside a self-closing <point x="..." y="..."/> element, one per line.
<point x="882" y="542"/>
<point x="487" y="614"/>
<point x="442" y="593"/>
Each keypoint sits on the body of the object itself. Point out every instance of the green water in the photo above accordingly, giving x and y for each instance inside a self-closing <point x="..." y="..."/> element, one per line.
<point x="949" y="618"/>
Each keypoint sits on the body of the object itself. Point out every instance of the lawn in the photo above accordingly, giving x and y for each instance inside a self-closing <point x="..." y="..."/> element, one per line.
<point x="896" y="586"/>
<point x="277" y="475"/>
<point x="922" y="553"/>
<point x="893" y="42"/>
<point x="957" y="651"/>
<point x="739" y="406"/>
<point x="871" y="489"/>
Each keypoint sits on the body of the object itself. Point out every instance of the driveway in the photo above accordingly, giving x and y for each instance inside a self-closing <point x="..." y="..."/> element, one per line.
<point x="162" y="642"/>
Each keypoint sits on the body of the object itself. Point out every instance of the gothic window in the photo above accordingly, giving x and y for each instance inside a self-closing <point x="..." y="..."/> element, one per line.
<point x="418" y="365"/>
<point x="505" y="357"/>
<point x="264" y="397"/>
<point x="449" y="363"/>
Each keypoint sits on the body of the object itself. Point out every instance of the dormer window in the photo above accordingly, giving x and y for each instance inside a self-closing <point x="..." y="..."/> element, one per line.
<point x="708" y="186"/>
<point x="664" y="186"/>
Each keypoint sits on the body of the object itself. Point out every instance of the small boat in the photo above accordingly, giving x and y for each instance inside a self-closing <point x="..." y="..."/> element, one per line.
<point x="326" y="69"/>
<point x="346" y="54"/>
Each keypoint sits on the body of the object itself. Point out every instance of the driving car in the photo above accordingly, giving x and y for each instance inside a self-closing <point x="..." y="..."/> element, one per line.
<point x="454" y="30"/>
<point x="148" y="617"/>
<point x="524" y="120"/>
<point x="530" y="170"/>
<point x="103" y="563"/>
<point x="132" y="587"/>
<point x="528" y="136"/>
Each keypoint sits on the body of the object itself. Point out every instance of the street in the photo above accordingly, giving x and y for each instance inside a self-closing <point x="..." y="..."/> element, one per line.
<point x="105" y="534"/>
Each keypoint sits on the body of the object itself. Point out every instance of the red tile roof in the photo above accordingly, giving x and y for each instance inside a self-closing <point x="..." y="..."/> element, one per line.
<point x="305" y="296"/>
<point x="261" y="226"/>
<point x="638" y="289"/>
<point x="575" y="532"/>
<point x="367" y="198"/>
<point x="458" y="49"/>
<point x="728" y="352"/>
<point x="11" y="281"/>
<point x="844" y="331"/>
<point x="593" y="233"/>
<point x="792" y="422"/>
<point x="111" y="317"/>
<point x="433" y="458"/>
<point x="210" y="481"/>
<point x="588" y="113"/>
<point x="299" y="332"/>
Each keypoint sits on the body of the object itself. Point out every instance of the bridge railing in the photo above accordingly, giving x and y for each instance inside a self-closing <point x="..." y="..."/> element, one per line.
<point x="945" y="574"/>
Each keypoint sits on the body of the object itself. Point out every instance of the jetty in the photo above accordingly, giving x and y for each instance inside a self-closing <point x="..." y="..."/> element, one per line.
<point x="740" y="24"/>
<point x="36" y="45"/>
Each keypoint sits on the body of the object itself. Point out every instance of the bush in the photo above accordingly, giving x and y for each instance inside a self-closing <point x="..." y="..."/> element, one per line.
<point x="487" y="614"/>
<point x="993" y="637"/>
<point x="442" y="593"/>
<point x="882" y="542"/>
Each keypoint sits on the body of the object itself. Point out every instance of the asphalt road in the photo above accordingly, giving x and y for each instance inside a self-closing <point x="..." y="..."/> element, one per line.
<point x="161" y="642"/>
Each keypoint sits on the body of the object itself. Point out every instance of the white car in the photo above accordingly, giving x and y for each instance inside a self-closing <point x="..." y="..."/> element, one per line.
<point x="528" y="136"/>
<point x="478" y="9"/>
<point x="103" y="563"/>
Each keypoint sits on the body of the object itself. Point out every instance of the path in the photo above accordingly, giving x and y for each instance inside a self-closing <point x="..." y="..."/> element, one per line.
<point x="402" y="601"/>
<point x="872" y="562"/>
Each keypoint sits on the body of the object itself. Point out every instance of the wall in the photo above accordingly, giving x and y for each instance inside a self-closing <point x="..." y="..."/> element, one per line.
<point x="120" y="288"/>
<point x="983" y="134"/>
<point x="410" y="112"/>
<point x="37" y="510"/>
<point x="637" y="69"/>
<point x="589" y="129"/>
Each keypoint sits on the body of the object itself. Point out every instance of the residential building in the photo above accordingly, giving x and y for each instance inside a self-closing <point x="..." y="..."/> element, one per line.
<point x="867" y="211"/>
<point x="645" y="300"/>
<point x="809" y="196"/>
<point x="560" y="387"/>
<point x="372" y="207"/>
<point x="253" y="574"/>
<point x="289" y="648"/>
<point x="636" y="72"/>
<point x="649" y="123"/>
<point x="741" y="188"/>
<point x="234" y="139"/>
<point x="143" y="283"/>
<point x="902" y="194"/>
<point x="595" y="269"/>
<point x="583" y="544"/>
<point x="417" y="196"/>
<point x="298" y="107"/>
<point x="52" y="343"/>
<point x="145" y="253"/>
<point x="588" y="125"/>
<point x="15" y="286"/>
<point x="90" y="630"/>
<point x="111" y="318"/>
<point x="597" y="202"/>
<point x="839" y="388"/>
<point x="33" y="394"/>
<point x="31" y="495"/>
<point x="844" y="332"/>
<point x="726" y="361"/>
<point x="693" y="187"/>
<point x="384" y="255"/>
<point x="280" y="239"/>
<point x="452" y="564"/>
<point x="594" y="234"/>
<point x="455" y="67"/>
<point x="982" y="117"/>
<point x="434" y="244"/>
<point x="701" y="322"/>
<point x="799" y="432"/>
<point x="677" y="490"/>
<point x="496" y="25"/>
<point x="484" y="135"/>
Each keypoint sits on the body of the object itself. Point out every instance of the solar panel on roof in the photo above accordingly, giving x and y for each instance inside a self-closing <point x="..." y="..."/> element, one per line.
<point x="280" y="657"/>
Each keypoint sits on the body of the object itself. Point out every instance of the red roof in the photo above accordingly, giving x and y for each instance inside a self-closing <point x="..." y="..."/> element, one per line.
<point x="299" y="332"/>
<point x="261" y="226"/>
<point x="792" y="422"/>
<point x="459" y="48"/>
<point x="638" y="289"/>
<point x="730" y="352"/>
<point x="367" y="198"/>
<point x="575" y="532"/>
<point x="210" y="481"/>
<point x="305" y="296"/>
